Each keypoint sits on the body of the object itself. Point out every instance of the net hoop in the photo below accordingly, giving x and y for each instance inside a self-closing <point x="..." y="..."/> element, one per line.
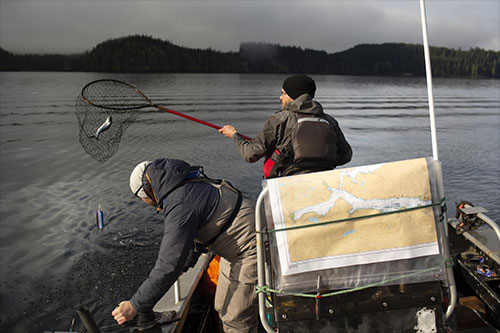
<point x="90" y="97"/>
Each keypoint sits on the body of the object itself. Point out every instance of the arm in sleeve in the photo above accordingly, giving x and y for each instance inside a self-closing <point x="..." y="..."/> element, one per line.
<point x="181" y="225"/>
<point x="191" y="259"/>
<point x="260" y="146"/>
<point x="344" y="150"/>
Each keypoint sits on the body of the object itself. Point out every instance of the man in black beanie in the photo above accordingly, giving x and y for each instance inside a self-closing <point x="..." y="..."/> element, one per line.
<point x="296" y="85"/>
<point x="300" y="138"/>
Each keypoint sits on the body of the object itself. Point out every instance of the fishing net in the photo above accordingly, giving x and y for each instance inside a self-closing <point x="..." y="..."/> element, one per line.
<point x="105" y="108"/>
<point x="91" y="117"/>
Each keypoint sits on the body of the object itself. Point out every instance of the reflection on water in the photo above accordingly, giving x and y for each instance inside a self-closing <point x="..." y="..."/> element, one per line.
<point x="54" y="258"/>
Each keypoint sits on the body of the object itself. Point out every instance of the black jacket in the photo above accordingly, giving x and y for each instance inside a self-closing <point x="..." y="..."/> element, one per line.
<point x="186" y="208"/>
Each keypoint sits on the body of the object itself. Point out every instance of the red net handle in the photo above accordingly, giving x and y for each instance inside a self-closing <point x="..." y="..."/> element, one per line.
<point x="196" y="120"/>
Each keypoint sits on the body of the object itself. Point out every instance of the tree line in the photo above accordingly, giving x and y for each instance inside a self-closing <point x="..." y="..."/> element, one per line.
<point x="143" y="54"/>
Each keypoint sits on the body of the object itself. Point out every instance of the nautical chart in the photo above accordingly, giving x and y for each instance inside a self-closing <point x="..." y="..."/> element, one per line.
<point x="311" y="199"/>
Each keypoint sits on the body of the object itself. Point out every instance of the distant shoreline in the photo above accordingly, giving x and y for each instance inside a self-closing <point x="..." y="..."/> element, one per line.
<point x="144" y="54"/>
<point x="246" y="73"/>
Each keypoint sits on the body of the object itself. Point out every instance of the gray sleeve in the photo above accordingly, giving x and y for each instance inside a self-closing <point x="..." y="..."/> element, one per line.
<point x="181" y="225"/>
<point x="344" y="151"/>
<point x="260" y="146"/>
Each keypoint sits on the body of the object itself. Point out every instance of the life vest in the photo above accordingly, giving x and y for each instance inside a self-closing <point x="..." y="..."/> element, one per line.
<point x="314" y="142"/>
<point x="310" y="144"/>
<point x="196" y="174"/>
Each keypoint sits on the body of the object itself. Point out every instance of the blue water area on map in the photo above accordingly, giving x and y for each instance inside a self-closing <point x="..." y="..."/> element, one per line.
<point x="347" y="233"/>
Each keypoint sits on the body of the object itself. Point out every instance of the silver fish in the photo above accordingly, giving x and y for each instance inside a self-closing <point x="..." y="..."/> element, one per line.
<point x="103" y="127"/>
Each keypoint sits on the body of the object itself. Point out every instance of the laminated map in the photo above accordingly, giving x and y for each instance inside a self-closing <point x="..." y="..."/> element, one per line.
<point x="301" y="205"/>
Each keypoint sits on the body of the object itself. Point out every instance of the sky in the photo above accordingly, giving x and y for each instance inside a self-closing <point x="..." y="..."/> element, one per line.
<point x="75" y="26"/>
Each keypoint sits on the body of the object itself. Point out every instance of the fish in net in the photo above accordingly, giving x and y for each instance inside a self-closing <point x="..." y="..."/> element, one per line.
<point x="105" y="108"/>
<point x="100" y="129"/>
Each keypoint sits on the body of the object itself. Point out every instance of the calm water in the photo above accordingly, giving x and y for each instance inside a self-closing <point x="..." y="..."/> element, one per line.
<point x="52" y="256"/>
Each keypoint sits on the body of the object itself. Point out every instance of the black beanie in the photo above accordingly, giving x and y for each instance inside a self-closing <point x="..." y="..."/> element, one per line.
<point x="296" y="85"/>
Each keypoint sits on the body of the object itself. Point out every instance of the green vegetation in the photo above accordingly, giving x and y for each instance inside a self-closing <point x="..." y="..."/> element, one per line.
<point x="33" y="62"/>
<point x="147" y="54"/>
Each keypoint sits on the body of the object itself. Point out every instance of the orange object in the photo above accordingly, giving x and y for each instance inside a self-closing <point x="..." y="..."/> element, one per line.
<point x="213" y="274"/>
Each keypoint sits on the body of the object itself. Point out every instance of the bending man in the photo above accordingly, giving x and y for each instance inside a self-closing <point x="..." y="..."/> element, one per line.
<point x="212" y="213"/>
<point x="300" y="138"/>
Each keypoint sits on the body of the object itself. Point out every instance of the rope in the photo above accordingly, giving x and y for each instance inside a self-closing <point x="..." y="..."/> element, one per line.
<point x="449" y="262"/>
<point x="267" y="289"/>
<point x="440" y="203"/>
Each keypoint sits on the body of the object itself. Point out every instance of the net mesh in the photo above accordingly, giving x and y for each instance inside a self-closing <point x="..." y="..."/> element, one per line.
<point x="104" y="110"/>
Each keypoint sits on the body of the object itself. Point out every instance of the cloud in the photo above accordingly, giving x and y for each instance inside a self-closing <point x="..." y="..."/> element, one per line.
<point x="57" y="26"/>
<point x="467" y="24"/>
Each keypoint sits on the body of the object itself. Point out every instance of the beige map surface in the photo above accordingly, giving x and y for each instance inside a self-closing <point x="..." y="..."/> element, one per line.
<point x="339" y="194"/>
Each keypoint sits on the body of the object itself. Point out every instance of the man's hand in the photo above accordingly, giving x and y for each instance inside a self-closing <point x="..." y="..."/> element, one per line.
<point x="228" y="131"/>
<point x="123" y="312"/>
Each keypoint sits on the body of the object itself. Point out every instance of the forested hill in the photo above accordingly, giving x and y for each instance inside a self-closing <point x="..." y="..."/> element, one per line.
<point x="147" y="54"/>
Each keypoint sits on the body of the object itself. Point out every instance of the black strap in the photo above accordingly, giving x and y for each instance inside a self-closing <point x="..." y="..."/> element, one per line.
<point x="228" y="222"/>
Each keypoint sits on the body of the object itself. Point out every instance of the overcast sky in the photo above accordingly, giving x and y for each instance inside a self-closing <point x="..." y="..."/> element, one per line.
<point x="72" y="26"/>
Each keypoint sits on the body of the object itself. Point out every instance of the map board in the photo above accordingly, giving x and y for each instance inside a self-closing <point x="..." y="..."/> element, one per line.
<point x="310" y="199"/>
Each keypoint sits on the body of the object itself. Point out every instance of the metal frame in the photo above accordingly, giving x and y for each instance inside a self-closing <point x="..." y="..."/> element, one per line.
<point x="261" y="270"/>
<point x="261" y="256"/>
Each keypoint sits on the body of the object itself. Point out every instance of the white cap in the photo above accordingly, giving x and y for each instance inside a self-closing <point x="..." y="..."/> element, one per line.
<point x="136" y="179"/>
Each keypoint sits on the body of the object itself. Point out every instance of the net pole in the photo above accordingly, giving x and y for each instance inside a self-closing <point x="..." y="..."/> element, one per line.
<point x="196" y="120"/>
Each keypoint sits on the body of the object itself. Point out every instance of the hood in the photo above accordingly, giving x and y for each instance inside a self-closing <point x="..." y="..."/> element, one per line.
<point x="166" y="175"/>
<point x="304" y="104"/>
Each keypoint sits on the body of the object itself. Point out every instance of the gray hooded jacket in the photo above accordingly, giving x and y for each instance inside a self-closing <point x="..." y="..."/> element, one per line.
<point x="277" y="134"/>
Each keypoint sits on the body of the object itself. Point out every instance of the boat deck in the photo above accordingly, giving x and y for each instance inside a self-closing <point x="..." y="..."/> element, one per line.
<point x="188" y="283"/>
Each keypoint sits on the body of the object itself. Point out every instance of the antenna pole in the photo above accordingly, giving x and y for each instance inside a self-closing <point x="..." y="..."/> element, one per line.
<point x="428" y="74"/>
<point x="452" y="288"/>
